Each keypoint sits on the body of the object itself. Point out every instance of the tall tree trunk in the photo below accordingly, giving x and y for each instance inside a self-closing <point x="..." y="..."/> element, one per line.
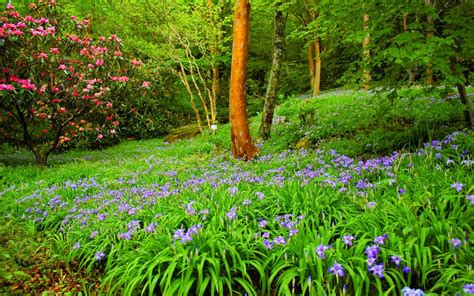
<point x="317" y="74"/>
<point x="242" y="145"/>
<point x="429" y="66"/>
<point x="214" y="68"/>
<point x="467" y="107"/>
<point x="410" y="70"/>
<point x="366" y="54"/>
<point x="311" y="64"/>
<point x="273" y="82"/>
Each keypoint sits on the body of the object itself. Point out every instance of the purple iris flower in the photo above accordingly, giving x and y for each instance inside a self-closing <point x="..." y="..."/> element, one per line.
<point x="379" y="240"/>
<point x="279" y="240"/>
<point x="457" y="186"/>
<point x="262" y="223"/>
<point x="412" y="292"/>
<point x="406" y="269"/>
<point x="397" y="260"/>
<point x="455" y="242"/>
<point x="231" y="214"/>
<point x="268" y="244"/>
<point x="468" y="289"/>
<point x="76" y="246"/>
<point x="100" y="255"/>
<point x="336" y="269"/>
<point x="372" y="251"/>
<point x="320" y="250"/>
<point x="377" y="270"/>
<point x="347" y="239"/>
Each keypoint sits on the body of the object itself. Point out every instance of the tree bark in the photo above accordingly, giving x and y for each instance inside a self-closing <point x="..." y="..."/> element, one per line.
<point x="467" y="107"/>
<point x="366" y="54"/>
<point x="311" y="64"/>
<point x="411" y="71"/>
<point x="429" y="66"/>
<point x="242" y="145"/>
<point x="273" y="82"/>
<point x="317" y="74"/>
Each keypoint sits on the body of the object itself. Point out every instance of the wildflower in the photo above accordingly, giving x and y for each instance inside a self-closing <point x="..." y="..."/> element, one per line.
<point x="293" y="232"/>
<point x="347" y="239"/>
<point x="455" y="242"/>
<point x="401" y="191"/>
<point x="371" y="261"/>
<point x="94" y="234"/>
<point x="406" y="269"/>
<point x="396" y="260"/>
<point x="260" y="195"/>
<point x="268" y="244"/>
<point x="214" y="127"/>
<point x="62" y="67"/>
<point x="126" y="235"/>
<point x="233" y="190"/>
<point x="262" y="223"/>
<point x="336" y="269"/>
<point x="372" y="251"/>
<point x="7" y="87"/>
<point x="412" y="292"/>
<point x="377" y="270"/>
<point x="247" y="202"/>
<point x="231" y="214"/>
<point x="371" y="204"/>
<point x="99" y="62"/>
<point x="320" y="250"/>
<point x="76" y="246"/>
<point x="468" y="289"/>
<point x="54" y="50"/>
<point x="470" y="198"/>
<point x="457" y="186"/>
<point x="266" y="234"/>
<point x="99" y="256"/>
<point x="279" y="240"/>
<point x="379" y="240"/>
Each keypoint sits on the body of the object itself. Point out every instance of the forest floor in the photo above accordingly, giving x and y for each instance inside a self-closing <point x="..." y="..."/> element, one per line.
<point x="379" y="177"/>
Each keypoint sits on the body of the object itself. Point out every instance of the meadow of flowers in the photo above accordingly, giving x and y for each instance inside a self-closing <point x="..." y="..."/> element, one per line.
<point x="303" y="222"/>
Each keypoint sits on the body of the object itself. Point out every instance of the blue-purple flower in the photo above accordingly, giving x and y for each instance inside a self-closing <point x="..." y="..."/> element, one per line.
<point x="320" y="250"/>
<point x="397" y="260"/>
<point x="94" y="234"/>
<point x="268" y="244"/>
<point x="372" y="251"/>
<point x="377" y="270"/>
<point x="406" y="269"/>
<point x="279" y="240"/>
<point x="468" y="288"/>
<point x="262" y="223"/>
<point x="231" y="214"/>
<point x="76" y="246"/>
<point x="336" y="269"/>
<point x="380" y="240"/>
<point x="347" y="239"/>
<point x="412" y="292"/>
<point x="457" y="186"/>
<point x="455" y="242"/>
<point x="233" y="191"/>
<point x="100" y="255"/>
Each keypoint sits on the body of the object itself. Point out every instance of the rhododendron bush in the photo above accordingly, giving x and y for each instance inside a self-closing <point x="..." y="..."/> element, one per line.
<point x="58" y="84"/>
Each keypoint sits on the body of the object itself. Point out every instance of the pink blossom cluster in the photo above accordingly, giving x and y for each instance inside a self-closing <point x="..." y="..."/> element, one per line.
<point x="31" y="19"/>
<point x="120" y="78"/>
<point x="96" y="50"/>
<point x="6" y="87"/>
<point x="24" y="83"/>
<point x="40" y="31"/>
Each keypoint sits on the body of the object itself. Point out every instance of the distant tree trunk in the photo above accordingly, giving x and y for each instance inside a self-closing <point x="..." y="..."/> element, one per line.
<point x="273" y="82"/>
<point x="317" y="74"/>
<point x="242" y="145"/>
<point x="311" y="64"/>
<point x="366" y="54"/>
<point x="467" y="107"/>
<point x="411" y="71"/>
<point x="429" y="66"/>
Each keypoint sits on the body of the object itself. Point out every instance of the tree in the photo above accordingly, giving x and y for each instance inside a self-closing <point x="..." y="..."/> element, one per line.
<point x="242" y="145"/>
<point x="273" y="81"/>
<point x="56" y="82"/>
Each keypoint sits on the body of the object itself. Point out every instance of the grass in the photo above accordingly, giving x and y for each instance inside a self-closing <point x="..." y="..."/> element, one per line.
<point x="186" y="219"/>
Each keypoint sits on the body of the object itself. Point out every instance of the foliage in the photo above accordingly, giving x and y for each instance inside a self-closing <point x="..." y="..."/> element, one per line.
<point x="58" y="83"/>
<point x="185" y="218"/>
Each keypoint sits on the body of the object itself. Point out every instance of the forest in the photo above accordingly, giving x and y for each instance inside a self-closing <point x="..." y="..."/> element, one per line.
<point x="236" y="147"/>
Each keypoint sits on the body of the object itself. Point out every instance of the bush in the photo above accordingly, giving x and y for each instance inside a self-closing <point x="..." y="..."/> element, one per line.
<point x="58" y="85"/>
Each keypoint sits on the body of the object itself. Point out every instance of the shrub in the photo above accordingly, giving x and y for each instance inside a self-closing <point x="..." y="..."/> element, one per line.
<point x="57" y="83"/>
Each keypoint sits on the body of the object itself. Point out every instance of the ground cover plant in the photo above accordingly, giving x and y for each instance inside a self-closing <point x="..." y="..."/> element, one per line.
<point x="185" y="218"/>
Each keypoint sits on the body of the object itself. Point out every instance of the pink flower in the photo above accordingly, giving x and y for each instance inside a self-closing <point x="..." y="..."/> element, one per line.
<point x="100" y="136"/>
<point x="112" y="131"/>
<point x="10" y="7"/>
<point x="42" y="89"/>
<point x="62" y="67"/>
<point x="136" y="63"/>
<point x="90" y="66"/>
<point x="42" y="55"/>
<point x="14" y="14"/>
<point x="62" y="110"/>
<point x="99" y="62"/>
<point x="29" y="18"/>
<point x="116" y="123"/>
<point x="21" y="25"/>
<point x="84" y="52"/>
<point x="118" y="53"/>
<point x="54" y="50"/>
<point x="6" y="87"/>
<point x="109" y="104"/>
<point x="120" y="78"/>
<point x="146" y="84"/>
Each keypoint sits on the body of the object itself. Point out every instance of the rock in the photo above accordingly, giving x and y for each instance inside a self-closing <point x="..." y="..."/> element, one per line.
<point x="303" y="143"/>
<point x="184" y="132"/>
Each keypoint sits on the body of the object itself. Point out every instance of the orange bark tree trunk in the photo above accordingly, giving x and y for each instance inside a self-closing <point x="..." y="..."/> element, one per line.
<point x="242" y="145"/>
<point x="317" y="74"/>
<point x="312" y="65"/>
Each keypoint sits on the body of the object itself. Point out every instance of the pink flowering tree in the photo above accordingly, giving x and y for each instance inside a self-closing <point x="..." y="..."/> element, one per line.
<point x="57" y="84"/>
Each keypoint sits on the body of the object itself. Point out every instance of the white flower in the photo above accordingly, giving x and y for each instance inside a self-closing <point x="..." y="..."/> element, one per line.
<point x="213" y="127"/>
